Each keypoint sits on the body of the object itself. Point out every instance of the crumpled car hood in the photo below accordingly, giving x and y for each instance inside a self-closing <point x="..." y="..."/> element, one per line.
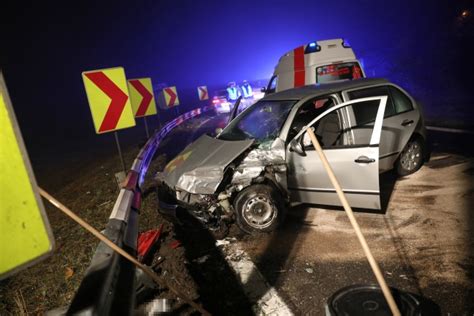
<point x="200" y="167"/>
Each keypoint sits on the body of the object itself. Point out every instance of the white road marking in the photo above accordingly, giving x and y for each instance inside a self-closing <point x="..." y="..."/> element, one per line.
<point x="265" y="299"/>
<point x="449" y="130"/>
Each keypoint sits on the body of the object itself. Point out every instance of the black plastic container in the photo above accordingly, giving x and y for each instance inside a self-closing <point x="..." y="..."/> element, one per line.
<point x="368" y="300"/>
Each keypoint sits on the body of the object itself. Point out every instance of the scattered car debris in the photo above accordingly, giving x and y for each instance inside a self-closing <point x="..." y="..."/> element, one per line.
<point x="158" y="306"/>
<point x="222" y="242"/>
<point x="146" y="241"/>
<point x="202" y="259"/>
<point x="225" y="241"/>
<point x="236" y="256"/>
<point x="175" y="244"/>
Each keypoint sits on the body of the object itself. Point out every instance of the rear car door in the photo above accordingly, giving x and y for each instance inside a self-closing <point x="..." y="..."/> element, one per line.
<point x="349" y="134"/>
<point x="400" y="120"/>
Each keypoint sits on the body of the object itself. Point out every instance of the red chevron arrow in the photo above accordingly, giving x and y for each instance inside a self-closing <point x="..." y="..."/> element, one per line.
<point x="147" y="96"/>
<point x="172" y="96"/>
<point x="118" y="99"/>
<point x="203" y="93"/>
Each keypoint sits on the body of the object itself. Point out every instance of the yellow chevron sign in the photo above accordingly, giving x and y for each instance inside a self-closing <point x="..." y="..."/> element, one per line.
<point x="25" y="234"/>
<point x="108" y="98"/>
<point x="171" y="96"/>
<point x="141" y="96"/>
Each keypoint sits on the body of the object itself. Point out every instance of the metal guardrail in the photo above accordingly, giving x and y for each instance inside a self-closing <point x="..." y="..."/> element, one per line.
<point x="108" y="287"/>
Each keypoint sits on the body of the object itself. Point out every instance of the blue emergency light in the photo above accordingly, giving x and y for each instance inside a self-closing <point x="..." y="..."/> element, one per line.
<point x="312" y="48"/>
<point x="345" y="43"/>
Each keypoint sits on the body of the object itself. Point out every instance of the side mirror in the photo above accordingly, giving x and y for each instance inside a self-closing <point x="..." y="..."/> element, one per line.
<point x="263" y="89"/>
<point x="295" y="146"/>
<point x="218" y="130"/>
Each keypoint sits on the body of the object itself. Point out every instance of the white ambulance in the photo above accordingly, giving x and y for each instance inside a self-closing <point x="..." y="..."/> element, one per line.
<point x="315" y="63"/>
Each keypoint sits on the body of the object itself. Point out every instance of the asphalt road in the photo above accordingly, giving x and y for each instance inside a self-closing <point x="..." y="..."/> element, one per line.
<point x="423" y="239"/>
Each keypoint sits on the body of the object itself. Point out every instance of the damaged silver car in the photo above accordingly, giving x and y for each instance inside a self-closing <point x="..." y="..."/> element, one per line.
<point x="263" y="159"/>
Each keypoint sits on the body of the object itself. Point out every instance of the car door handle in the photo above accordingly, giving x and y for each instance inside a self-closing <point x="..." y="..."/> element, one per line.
<point x="407" y="122"/>
<point x="364" y="159"/>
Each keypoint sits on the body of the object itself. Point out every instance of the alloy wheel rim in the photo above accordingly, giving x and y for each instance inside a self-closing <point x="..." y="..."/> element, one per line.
<point x="411" y="156"/>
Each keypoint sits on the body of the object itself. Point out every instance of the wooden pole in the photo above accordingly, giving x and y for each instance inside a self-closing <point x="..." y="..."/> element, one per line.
<point x="373" y="264"/>
<point x="119" y="250"/>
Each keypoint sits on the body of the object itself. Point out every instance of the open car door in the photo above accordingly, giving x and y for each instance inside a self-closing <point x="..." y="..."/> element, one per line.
<point x="349" y="134"/>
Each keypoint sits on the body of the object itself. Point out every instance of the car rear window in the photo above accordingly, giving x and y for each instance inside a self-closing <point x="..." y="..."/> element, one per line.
<point x="375" y="92"/>
<point x="366" y="113"/>
<point x="401" y="101"/>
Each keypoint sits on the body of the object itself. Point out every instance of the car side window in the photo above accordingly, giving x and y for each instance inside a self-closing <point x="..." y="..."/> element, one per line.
<point x="375" y="92"/>
<point x="401" y="101"/>
<point x="308" y="112"/>
<point x="349" y="126"/>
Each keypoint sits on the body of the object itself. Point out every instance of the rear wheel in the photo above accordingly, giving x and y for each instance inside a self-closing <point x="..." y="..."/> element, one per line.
<point x="411" y="158"/>
<point x="259" y="208"/>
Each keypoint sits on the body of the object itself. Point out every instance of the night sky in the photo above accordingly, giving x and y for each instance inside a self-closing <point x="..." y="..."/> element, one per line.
<point x="425" y="46"/>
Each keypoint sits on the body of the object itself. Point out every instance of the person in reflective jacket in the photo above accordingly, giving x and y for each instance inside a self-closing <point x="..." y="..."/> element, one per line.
<point x="247" y="92"/>
<point x="232" y="92"/>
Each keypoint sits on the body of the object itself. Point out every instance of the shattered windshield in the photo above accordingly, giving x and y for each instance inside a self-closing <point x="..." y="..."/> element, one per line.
<point x="262" y="122"/>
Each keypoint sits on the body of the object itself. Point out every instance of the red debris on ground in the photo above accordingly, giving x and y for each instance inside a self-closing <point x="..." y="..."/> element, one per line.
<point x="146" y="240"/>
<point x="175" y="244"/>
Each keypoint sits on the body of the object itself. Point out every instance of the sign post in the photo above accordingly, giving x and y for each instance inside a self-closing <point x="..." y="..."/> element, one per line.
<point x="120" y="152"/>
<point x="142" y="99"/>
<point x="25" y="233"/>
<point x="146" y="128"/>
<point x="109" y="103"/>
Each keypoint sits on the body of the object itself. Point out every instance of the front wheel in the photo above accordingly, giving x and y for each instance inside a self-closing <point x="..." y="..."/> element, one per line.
<point x="411" y="158"/>
<point x="259" y="208"/>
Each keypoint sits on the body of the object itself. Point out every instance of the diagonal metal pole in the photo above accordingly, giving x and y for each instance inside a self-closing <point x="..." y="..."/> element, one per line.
<point x="373" y="264"/>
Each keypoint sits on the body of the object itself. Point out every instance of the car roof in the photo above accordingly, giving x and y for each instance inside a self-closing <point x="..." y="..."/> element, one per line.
<point x="322" y="89"/>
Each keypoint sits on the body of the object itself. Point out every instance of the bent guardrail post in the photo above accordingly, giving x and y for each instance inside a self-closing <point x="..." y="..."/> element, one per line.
<point x="108" y="286"/>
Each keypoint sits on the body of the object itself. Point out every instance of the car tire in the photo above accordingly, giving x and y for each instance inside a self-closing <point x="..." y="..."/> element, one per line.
<point x="259" y="209"/>
<point x="411" y="158"/>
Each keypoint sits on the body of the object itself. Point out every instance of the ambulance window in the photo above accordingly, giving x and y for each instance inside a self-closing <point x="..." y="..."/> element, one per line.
<point x="401" y="101"/>
<point x="375" y="92"/>
<point x="272" y="85"/>
<point x="336" y="72"/>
